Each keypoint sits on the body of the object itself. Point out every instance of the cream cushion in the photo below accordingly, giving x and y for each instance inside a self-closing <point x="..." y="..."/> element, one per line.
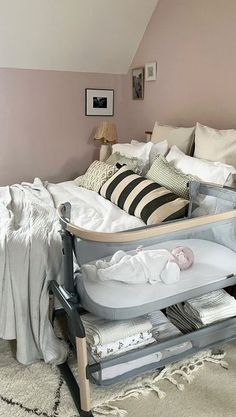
<point x="180" y="136"/>
<point x="95" y="176"/>
<point x="215" y="145"/>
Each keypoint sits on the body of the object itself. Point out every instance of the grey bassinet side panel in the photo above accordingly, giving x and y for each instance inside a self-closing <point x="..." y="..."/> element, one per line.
<point x="210" y="199"/>
<point x="223" y="232"/>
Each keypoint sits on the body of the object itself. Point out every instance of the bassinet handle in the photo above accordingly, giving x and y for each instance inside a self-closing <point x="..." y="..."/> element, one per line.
<point x="139" y="233"/>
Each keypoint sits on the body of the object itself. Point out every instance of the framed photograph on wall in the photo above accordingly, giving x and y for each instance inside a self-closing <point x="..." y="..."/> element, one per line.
<point x="99" y="102"/>
<point x="151" y="71"/>
<point x="138" y="83"/>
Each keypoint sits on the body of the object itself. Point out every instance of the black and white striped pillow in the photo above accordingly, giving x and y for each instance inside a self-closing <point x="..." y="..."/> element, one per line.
<point x="143" y="198"/>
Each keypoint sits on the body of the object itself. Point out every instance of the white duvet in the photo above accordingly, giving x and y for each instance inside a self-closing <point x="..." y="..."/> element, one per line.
<point x="30" y="256"/>
<point x="90" y="210"/>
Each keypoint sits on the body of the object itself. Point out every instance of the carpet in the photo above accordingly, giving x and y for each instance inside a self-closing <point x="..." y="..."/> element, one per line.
<point x="39" y="390"/>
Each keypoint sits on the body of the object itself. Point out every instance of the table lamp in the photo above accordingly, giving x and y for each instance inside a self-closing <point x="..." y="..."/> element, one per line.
<point x="107" y="134"/>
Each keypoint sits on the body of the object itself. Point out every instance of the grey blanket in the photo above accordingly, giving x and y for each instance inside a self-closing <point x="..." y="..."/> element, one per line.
<point x="30" y="256"/>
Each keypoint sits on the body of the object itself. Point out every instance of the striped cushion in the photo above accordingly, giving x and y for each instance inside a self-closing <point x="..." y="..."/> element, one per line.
<point x="143" y="198"/>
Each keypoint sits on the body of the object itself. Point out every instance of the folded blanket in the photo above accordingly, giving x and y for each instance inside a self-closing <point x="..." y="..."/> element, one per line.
<point x="162" y="328"/>
<point x="102" y="331"/>
<point x="200" y="311"/>
<point x="123" y="345"/>
<point x="211" y="307"/>
<point x="181" y="319"/>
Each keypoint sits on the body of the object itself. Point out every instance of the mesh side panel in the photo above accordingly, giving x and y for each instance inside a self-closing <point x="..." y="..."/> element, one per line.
<point x="223" y="232"/>
<point x="209" y="199"/>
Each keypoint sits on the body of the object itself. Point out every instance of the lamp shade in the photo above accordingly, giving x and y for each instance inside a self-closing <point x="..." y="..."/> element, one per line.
<point x="106" y="132"/>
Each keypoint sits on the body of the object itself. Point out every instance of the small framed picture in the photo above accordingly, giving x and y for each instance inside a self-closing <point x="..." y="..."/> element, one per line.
<point x="99" y="102"/>
<point x="138" y="83"/>
<point x="151" y="71"/>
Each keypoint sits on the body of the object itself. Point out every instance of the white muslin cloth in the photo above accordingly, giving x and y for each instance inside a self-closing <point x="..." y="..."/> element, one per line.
<point x="203" y="310"/>
<point x="211" y="307"/>
<point x="144" y="266"/>
<point x="123" y="345"/>
<point x="101" y="331"/>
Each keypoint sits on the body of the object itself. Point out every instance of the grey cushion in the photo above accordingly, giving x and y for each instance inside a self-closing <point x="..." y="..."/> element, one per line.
<point x="170" y="177"/>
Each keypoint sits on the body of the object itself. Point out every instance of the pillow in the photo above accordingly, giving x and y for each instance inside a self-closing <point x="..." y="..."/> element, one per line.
<point x="182" y="137"/>
<point x="215" y="145"/>
<point x="143" y="198"/>
<point x="213" y="172"/>
<point x="140" y="150"/>
<point x="160" y="148"/>
<point x="96" y="175"/>
<point x="170" y="177"/>
<point x="134" y="164"/>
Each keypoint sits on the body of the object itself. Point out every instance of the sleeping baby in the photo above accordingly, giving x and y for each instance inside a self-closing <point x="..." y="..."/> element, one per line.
<point x="157" y="265"/>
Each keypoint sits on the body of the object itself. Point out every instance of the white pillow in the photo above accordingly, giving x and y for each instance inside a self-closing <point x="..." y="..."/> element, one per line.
<point x="213" y="172"/>
<point x="180" y="136"/>
<point x="140" y="150"/>
<point x="215" y="145"/>
<point x="157" y="149"/>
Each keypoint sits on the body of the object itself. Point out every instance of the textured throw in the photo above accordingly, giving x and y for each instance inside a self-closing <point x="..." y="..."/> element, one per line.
<point x="39" y="390"/>
<point x="95" y="176"/>
<point x="30" y="256"/>
<point x="143" y="198"/>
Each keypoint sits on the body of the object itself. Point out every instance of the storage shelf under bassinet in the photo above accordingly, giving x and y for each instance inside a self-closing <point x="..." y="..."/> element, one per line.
<point x="204" y="338"/>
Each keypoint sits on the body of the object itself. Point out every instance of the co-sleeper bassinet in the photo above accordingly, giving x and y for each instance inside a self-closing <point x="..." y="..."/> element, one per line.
<point x="212" y="236"/>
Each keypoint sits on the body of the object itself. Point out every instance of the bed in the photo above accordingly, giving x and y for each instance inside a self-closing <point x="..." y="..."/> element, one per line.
<point x="31" y="258"/>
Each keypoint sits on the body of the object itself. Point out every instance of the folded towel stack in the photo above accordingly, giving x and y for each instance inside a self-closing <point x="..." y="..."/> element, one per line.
<point x="108" y="337"/>
<point x="201" y="311"/>
<point x="163" y="329"/>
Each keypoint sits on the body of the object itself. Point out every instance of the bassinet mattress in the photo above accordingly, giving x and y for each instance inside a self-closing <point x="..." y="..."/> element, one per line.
<point x="117" y="300"/>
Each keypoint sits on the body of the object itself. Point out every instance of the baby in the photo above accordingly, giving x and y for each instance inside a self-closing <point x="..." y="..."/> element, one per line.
<point x="145" y="266"/>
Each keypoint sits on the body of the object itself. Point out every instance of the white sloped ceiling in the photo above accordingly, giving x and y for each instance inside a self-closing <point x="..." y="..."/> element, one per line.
<point x="72" y="35"/>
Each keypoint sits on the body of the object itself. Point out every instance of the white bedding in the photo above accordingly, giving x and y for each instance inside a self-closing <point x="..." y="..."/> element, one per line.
<point x="90" y="210"/>
<point x="30" y="256"/>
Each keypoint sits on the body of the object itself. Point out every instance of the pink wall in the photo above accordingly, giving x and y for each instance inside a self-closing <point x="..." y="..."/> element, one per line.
<point x="43" y="129"/>
<point x="193" y="42"/>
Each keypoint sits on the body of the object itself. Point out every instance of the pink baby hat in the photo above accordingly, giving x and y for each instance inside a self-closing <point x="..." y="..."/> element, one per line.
<point x="183" y="256"/>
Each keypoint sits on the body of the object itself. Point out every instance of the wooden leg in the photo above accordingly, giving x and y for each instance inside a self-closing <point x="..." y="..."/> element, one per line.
<point x="82" y="360"/>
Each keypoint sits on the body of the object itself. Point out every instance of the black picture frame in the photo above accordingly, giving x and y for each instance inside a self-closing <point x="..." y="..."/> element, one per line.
<point x="99" y="102"/>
